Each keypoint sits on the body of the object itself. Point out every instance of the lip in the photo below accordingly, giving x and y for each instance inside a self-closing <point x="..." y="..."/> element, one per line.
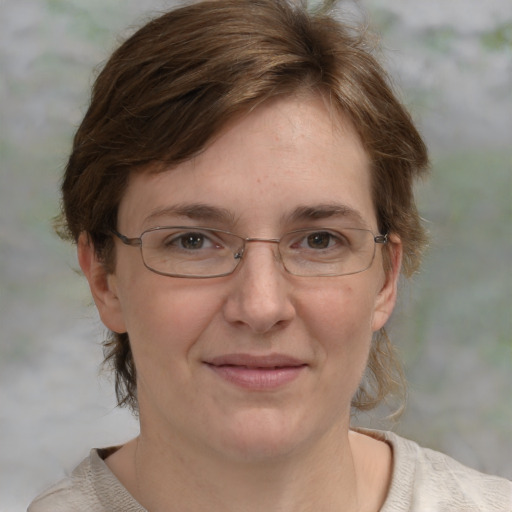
<point x="257" y="373"/>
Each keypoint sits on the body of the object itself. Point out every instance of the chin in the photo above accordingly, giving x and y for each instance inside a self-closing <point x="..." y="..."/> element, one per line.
<point x="262" y="435"/>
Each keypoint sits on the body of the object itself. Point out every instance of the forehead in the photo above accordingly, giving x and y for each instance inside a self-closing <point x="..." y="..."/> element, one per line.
<point x="284" y="156"/>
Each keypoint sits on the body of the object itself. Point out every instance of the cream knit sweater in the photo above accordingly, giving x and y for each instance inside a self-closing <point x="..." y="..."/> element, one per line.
<point x="423" y="481"/>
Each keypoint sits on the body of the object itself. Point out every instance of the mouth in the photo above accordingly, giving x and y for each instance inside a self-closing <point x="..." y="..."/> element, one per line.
<point x="257" y="373"/>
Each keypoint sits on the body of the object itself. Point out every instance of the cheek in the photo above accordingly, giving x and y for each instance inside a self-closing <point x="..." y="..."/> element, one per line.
<point x="342" y="311"/>
<point x="164" y="319"/>
<point x="340" y="325"/>
<point x="165" y="326"/>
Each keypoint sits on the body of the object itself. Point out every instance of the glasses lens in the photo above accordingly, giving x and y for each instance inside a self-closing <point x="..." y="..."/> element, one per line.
<point x="203" y="252"/>
<point x="325" y="252"/>
<point x="189" y="252"/>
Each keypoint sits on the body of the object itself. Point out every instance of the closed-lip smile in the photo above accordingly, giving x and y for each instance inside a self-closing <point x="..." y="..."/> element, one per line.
<point x="257" y="372"/>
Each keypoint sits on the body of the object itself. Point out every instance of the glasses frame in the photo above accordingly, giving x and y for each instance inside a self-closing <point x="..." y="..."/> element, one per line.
<point x="381" y="239"/>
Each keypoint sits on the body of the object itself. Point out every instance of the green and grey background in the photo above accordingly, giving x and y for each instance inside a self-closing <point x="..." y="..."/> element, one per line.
<point x="452" y="61"/>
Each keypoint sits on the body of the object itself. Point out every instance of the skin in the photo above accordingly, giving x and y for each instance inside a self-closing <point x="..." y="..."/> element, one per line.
<point x="289" y="447"/>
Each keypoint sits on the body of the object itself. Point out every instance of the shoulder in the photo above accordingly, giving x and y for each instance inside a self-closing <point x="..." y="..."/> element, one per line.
<point x="425" y="480"/>
<point x="91" y="487"/>
<point x="75" y="492"/>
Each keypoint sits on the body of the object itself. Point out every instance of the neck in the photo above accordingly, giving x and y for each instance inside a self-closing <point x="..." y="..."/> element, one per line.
<point x="174" y="477"/>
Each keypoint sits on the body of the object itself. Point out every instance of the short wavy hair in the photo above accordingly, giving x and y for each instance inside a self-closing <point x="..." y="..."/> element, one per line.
<point x="173" y="85"/>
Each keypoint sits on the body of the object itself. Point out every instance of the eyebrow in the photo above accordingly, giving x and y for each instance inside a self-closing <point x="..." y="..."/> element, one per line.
<point x="326" y="211"/>
<point x="209" y="213"/>
<point x="195" y="211"/>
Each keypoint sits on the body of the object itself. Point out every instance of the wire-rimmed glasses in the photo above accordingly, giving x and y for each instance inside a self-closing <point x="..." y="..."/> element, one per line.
<point x="197" y="252"/>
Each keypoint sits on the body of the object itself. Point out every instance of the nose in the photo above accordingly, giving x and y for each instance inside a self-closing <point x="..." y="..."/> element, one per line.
<point x="261" y="294"/>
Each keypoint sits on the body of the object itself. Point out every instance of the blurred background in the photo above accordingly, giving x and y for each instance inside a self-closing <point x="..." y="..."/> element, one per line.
<point x="452" y="62"/>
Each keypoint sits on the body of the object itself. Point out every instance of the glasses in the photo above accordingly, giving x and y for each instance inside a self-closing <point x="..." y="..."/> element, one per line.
<point x="196" y="252"/>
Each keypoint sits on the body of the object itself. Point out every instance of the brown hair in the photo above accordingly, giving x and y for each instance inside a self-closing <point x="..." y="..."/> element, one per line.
<point x="169" y="89"/>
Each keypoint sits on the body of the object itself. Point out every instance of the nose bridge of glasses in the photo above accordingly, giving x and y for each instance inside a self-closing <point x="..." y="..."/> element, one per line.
<point x="267" y="240"/>
<point x="240" y="253"/>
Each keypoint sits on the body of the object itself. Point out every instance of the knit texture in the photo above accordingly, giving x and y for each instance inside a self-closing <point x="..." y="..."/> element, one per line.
<point x="422" y="481"/>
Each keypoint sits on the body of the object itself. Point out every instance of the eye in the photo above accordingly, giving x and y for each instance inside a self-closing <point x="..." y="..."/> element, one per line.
<point x="324" y="242"/>
<point x="192" y="241"/>
<point x="319" y="240"/>
<point x="189" y="241"/>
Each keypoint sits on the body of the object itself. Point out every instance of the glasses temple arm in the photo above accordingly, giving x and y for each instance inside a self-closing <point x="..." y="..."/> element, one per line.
<point x="126" y="240"/>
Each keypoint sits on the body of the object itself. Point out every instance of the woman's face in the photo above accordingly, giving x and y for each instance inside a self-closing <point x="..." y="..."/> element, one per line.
<point x="261" y="362"/>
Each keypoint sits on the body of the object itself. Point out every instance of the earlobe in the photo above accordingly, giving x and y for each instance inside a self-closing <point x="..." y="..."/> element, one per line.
<point x="386" y="298"/>
<point x="102" y="284"/>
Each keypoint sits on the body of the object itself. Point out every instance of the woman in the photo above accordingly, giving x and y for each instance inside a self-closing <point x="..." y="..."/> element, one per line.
<point x="240" y="192"/>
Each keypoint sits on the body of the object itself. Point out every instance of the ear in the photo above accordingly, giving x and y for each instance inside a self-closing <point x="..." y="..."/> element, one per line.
<point x="386" y="297"/>
<point x="102" y="284"/>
